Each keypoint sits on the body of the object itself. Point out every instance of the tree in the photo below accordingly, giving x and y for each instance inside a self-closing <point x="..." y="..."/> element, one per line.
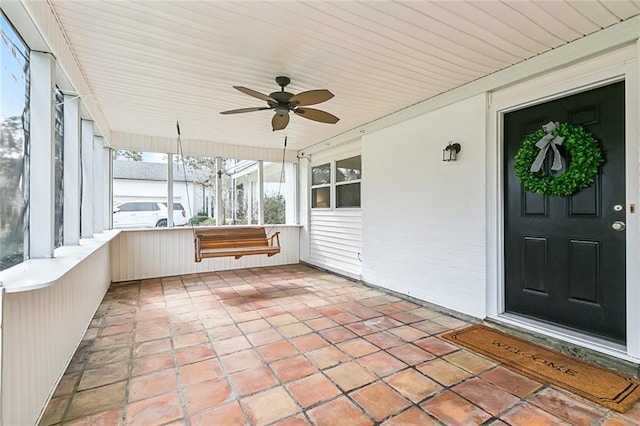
<point x="274" y="209"/>
<point x="123" y="154"/>
<point x="207" y="168"/>
<point x="13" y="206"/>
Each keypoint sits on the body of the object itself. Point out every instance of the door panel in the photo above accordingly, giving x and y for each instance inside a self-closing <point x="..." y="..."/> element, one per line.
<point x="564" y="263"/>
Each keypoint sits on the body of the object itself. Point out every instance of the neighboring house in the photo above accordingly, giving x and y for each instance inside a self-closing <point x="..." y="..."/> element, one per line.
<point x="146" y="181"/>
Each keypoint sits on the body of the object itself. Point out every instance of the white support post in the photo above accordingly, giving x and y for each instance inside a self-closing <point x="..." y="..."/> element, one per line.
<point x="42" y="149"/>
<point x="250" y="199"/>
<point x="86" y="210"/>
<point x="107" y="190"/>
<point x="290" y="192"/>
<point x="71" y="176"/>
<point x="260" y="192"/>
<point x="98" y="199"/>
<point x="170" y="190"/>
<point x="219" y="201"/>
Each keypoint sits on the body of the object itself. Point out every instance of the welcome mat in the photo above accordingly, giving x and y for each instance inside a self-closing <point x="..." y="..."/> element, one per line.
<point x="604" y="387"/>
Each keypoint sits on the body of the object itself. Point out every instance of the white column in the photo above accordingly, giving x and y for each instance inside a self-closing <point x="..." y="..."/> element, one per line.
<point x="86" y="210"/>
<point x="42" y="152"/>
<point x="71" y="170"/>
<point x="219" y="203"/>
<point x="260" y="192"/>
<point x="303" y="205"/>
<point x="98" y="198"/>
<point x="107" y="189"/>
<point x="252" y="186"/>
<point x="170" y="190"/>
<point x="290" y="193"/>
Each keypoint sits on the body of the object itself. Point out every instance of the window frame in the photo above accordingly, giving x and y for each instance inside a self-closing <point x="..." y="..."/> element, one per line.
<point x="328" y="185"/>
<point x="334" y="184"/>
<point x="348" y="182"/>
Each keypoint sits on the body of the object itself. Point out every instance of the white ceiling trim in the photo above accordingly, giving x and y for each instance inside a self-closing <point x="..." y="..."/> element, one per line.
<point x="145" y="143"/>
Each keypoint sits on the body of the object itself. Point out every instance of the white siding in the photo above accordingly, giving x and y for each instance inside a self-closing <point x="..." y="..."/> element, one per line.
<point x="41" y="331"/>
<point x="336" y="240"/>
<point x="335" y="235"/>
<point x="139" y="254"/>
<point x="424" y="219"/>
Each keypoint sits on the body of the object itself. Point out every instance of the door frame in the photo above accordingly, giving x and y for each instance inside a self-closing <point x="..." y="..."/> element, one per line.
<point x="592" y="74"/>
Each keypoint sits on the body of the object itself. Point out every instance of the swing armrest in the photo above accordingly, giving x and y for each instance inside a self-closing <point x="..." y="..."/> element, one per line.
<point x="275" y="235"/>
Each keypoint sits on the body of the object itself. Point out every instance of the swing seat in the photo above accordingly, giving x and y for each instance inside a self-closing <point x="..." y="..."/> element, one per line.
<point x="236" y="242"/>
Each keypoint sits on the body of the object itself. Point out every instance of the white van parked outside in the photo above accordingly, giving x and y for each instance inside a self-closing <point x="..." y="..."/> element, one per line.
<point x="146" y="214"/>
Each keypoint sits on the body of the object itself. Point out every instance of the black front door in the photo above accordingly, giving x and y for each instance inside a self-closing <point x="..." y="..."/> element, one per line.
<point x="564" y="263"/>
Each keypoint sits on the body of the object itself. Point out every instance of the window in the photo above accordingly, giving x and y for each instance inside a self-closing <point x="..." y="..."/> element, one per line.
<point x="348" y="176"/>
<point x="207" y="191"/>
<point x="59" y="171"/>
<point x="277" y="190"/>
<point x="194" y="184"/>
<point x="14" y="139"/>
<point x="240" y="192"/>
<point x="321" y="186"/>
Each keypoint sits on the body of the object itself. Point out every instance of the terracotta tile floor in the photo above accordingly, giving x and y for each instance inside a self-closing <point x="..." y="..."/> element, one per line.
<point x="291" y="346"/>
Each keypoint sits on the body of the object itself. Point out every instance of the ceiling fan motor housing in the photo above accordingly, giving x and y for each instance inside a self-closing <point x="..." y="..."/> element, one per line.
<point x="281" y="109"/>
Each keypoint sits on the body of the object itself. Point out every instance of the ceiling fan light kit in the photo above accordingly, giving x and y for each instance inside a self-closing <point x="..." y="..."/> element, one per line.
<point x="284" y="102"/>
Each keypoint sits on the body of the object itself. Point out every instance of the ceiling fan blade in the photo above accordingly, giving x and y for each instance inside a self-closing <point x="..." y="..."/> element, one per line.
<point x="255" y="94"/>
<point x="279" y="121"/>
<point x="236" y="111"/>
<point x="311" y="97"/>
<point x="316" y="115"/>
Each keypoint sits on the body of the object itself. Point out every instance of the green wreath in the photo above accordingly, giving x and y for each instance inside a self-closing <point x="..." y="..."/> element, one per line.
<point x="584" y="159"/>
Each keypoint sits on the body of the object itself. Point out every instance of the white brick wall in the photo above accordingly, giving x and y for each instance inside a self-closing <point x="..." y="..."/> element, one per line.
<point x="424" y="219"/>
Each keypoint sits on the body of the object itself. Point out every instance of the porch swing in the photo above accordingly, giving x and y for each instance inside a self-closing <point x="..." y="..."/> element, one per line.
<point x="232" y="242"/>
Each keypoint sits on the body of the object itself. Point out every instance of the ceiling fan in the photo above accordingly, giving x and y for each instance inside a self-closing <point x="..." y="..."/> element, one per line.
<point x="283" y="102"/>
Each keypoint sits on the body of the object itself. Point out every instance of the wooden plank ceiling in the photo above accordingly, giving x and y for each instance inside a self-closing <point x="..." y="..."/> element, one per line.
<point x="150" y="63"/>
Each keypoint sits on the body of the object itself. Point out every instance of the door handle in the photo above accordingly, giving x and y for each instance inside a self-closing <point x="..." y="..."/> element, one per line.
<point x="618" y="225"/>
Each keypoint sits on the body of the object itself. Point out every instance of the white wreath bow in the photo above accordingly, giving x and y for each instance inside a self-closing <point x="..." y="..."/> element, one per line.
<point x="544" y="143"/>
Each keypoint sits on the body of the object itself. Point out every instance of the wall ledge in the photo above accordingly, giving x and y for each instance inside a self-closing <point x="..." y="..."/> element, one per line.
<point x="34" y="274"/>
<point x="189" y="228"/>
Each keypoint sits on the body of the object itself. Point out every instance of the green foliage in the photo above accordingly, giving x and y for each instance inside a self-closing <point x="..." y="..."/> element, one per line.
<point x="122" y="154"/>
<point x="274" y="209"/>
<point x="584" y="160"/>
<point x="200" y="219"/>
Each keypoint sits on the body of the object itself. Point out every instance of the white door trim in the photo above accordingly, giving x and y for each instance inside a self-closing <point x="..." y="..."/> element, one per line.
<point x="495" y="204"/>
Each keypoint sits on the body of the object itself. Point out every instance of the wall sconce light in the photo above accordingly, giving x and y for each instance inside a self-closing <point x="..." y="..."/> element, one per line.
<point x="450" y="152"/>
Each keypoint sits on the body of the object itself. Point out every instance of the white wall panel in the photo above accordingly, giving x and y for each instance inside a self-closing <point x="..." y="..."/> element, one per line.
<point x="41" y="331"/>
<point x="160" y="252"/>
<point x="333" y="236"/>
<point x="424" y="219"/>
<point x="336" y="240"/>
